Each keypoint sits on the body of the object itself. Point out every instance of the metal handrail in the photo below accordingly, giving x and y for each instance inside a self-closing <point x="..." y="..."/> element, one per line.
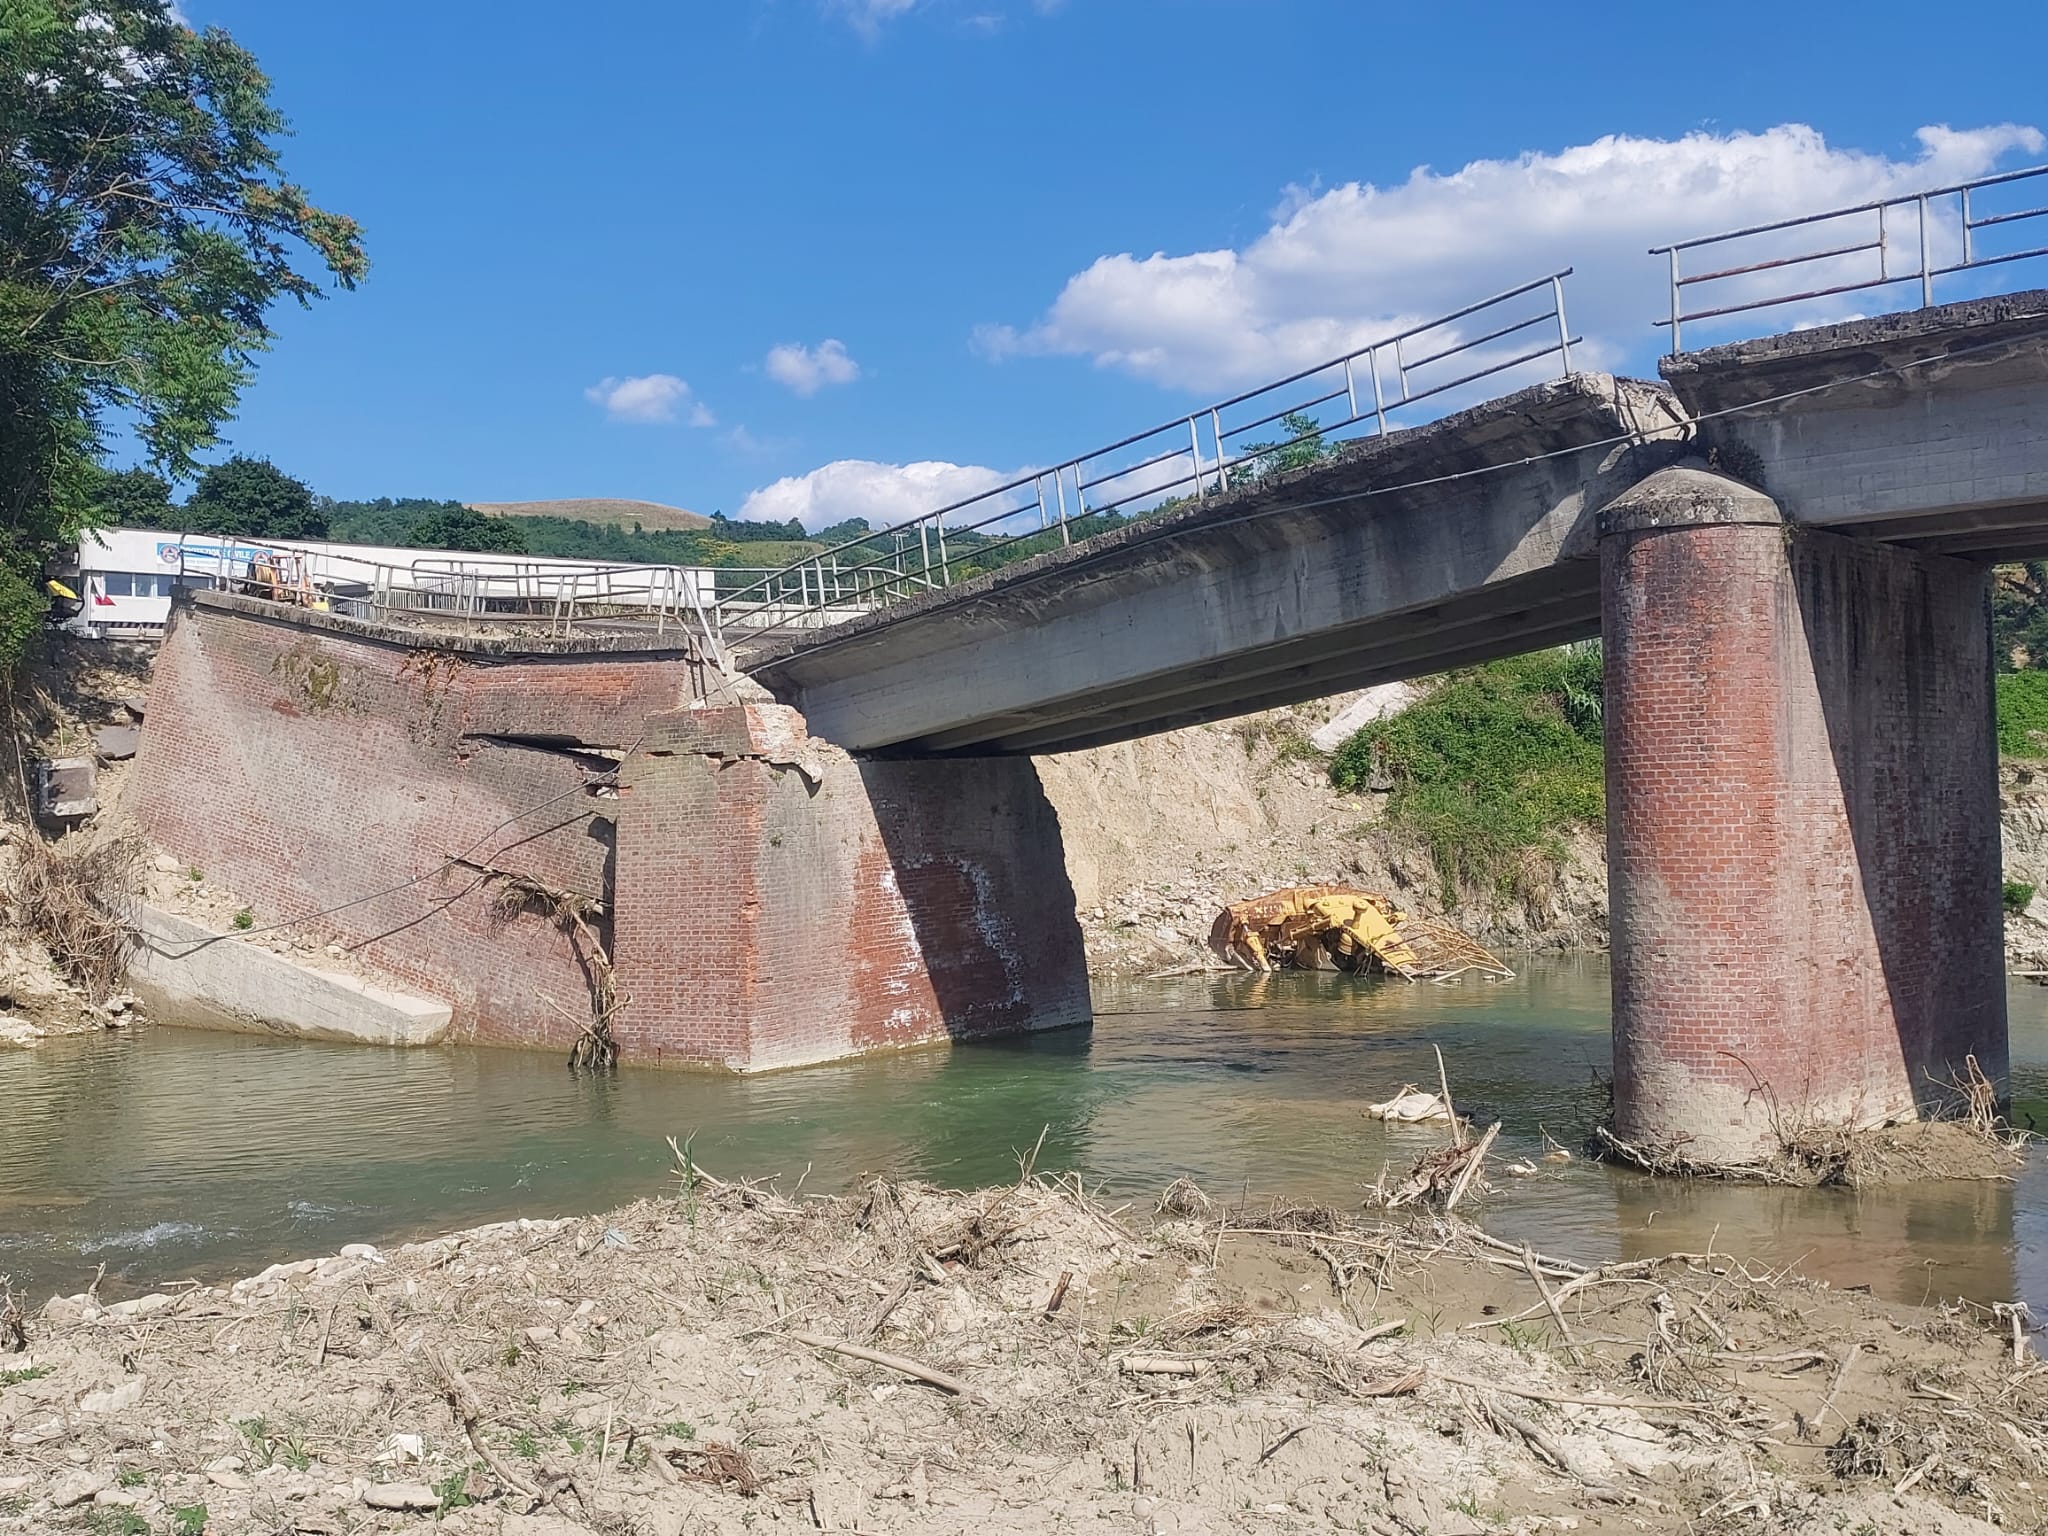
<point x="1924" y="271"/>
<point x="1193" y="454"/>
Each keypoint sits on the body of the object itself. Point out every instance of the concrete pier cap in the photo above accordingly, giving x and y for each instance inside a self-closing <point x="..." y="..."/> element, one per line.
<point x="1802" y="822"/>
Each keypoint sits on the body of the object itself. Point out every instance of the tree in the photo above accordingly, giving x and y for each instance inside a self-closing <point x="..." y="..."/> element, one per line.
<point x="2019" y="615"/>
<point x="146" y="230"/>
<point x="1303" y="446"/>
<point x="248" y="498"/>
<point x="132" y="498"/>
<point x="455" y="526"/>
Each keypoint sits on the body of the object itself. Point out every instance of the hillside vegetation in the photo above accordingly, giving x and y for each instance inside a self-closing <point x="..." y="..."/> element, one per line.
<point x="1491" y="769"/>
<point x="625" y="513"/>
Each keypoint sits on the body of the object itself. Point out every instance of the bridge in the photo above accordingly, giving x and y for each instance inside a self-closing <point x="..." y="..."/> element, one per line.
<point x="1784" y="544"/>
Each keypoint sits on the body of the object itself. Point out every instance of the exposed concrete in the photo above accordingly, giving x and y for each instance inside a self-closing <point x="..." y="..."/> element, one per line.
<point x="1445" y="544"/>
<point x="234" y="985"/>
<point x="1925" y="428"/>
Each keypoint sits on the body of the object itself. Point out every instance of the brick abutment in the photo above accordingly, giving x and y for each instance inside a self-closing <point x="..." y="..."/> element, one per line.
<point x="768" y="900"/>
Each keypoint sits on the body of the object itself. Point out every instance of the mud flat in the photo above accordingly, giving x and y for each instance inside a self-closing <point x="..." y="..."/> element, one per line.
<point x="906" y="1359"/>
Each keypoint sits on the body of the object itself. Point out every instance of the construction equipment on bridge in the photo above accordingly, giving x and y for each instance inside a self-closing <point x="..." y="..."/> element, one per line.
<point x="1339" y="927"/>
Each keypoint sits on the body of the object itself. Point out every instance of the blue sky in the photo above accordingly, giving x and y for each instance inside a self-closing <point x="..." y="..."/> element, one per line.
<point x="985" y="234"/>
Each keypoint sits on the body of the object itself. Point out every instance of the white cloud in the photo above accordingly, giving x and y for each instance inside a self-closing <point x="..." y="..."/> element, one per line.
<point x="806" y="370"/>
<point x="648" y="399"/>
<point x="882" y="493"/>
<point x="867" y="17"/>
<point x="1341" y="267"/>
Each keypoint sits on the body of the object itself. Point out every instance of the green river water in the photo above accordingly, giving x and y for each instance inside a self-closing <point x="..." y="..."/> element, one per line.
<point x="169" y="1154"/>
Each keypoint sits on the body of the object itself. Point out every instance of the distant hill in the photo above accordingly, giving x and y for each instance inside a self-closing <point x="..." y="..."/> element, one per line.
<point x="651" y="515"/>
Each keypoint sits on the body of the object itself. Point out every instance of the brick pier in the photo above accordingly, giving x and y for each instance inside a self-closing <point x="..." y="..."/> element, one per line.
<point x="1803" y="835"/>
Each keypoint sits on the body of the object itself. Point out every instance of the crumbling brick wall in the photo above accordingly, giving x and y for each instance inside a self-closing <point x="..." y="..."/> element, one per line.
<point x="779" y="902"/>
<point x="307" y="766"/>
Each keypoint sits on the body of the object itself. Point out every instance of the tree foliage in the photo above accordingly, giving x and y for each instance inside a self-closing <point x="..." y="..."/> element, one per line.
<point x="146" y="230"/>
<point x="248" y="498"/>
<point x="2019" y="615"/>
<point x="1303" y="445"/>
<point x="131" y="498"/>
<point x="1492" y="766"/>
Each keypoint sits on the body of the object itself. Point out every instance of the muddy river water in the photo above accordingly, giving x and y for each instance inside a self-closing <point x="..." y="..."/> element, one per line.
<point x="170" y="1154"/>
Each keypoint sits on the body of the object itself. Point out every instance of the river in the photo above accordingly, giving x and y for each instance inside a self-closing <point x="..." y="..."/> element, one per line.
<point x="168" y="1154"/>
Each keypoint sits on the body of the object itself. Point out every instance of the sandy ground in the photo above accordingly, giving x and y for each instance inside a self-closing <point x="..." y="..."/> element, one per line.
<point x="1018" y="1359"/>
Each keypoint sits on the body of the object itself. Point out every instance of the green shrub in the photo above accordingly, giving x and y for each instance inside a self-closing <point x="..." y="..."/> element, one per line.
<point x="2016" y="894"/>
<point x="1493" y="766"/>
<point x="2022" y="713"/>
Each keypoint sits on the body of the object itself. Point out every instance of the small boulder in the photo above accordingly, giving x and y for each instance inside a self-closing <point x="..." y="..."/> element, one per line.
<point x="113" y="1399"/>
<point x="78" y="1487"/>
<point x="409" y="1496"/>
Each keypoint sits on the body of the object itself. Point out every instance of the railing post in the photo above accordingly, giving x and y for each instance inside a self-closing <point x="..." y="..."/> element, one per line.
<point x="1968" y="257"/>
<point x="1044" y="522"/>
<point x="1379" y="402"/>
<point x="1926" y="264"/>
<point x="1195" y="453"/>
<point x="1677" y="300"/>
<point x="1564" y="331"/>
<point x="1059" y="486"/>
<point x="1222" y="458"/>
<point x="1350" y="389"/>
<point x="945" y="561"/>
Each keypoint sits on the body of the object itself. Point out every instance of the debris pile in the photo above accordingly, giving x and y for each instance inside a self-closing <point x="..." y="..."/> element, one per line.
<point x="910" y="1359"/>
<point x="1339" y="927"/>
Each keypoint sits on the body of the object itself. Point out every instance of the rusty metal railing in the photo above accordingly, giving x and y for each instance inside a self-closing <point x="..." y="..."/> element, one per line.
<point x="1937" y="217"/>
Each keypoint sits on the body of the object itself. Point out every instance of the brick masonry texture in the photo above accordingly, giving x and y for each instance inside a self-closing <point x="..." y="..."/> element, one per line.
<point x="1803" y="835"/>
<point x="771" y="900"/>
<point x="780" y="902"/>
<point x="303" y="768"/>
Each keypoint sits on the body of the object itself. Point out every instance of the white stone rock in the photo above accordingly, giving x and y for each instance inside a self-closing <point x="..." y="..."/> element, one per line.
<point x="412" y="1496"/>
<point x="15" y="1030"/>
<point x="77" y="1487"/>
<point x="165" y="864"/>
<point x="113" y="1399"/>
<point x="140" y="1307"/>
<point x="64" y="1311"/>
<point x="362" y="1251"/>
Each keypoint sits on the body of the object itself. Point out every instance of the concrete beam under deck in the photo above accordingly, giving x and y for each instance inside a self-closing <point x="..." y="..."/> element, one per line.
<point x="1923" y="429"/>
<point x="1454" y="542"/>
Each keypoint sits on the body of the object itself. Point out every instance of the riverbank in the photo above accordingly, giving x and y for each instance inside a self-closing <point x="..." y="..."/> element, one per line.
<point x="730" y="1357"/>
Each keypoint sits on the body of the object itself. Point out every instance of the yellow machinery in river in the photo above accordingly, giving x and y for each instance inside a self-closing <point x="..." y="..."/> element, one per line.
<point x="1339" y="927"/>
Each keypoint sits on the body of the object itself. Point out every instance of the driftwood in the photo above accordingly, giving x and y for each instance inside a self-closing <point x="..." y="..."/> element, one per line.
<point x="1161" y="1365"/>
<point x="914" y="1369"/>
<point x="462" y="1398"/>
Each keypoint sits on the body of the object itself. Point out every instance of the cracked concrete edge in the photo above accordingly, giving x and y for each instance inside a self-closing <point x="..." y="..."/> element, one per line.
<point x="235" y="986"/>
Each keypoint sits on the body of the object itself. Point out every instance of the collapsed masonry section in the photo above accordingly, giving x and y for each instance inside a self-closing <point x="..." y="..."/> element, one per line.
<point x="440" y="808"/>
<point x="1803" y="834"/>
<point x="407" y="799"/>
<point x="780" y="902"/>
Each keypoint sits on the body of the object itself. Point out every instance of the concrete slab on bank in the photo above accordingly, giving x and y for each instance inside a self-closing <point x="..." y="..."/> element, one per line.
<point x="234" y="985"/>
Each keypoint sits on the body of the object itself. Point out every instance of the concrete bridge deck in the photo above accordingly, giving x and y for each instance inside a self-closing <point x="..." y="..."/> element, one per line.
<point x="1470" y="538"/>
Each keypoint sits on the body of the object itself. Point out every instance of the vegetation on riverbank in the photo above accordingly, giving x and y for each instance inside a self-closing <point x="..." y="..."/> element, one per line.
<point x="1491" y="768"/>
<point x="2023" y="714"/>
